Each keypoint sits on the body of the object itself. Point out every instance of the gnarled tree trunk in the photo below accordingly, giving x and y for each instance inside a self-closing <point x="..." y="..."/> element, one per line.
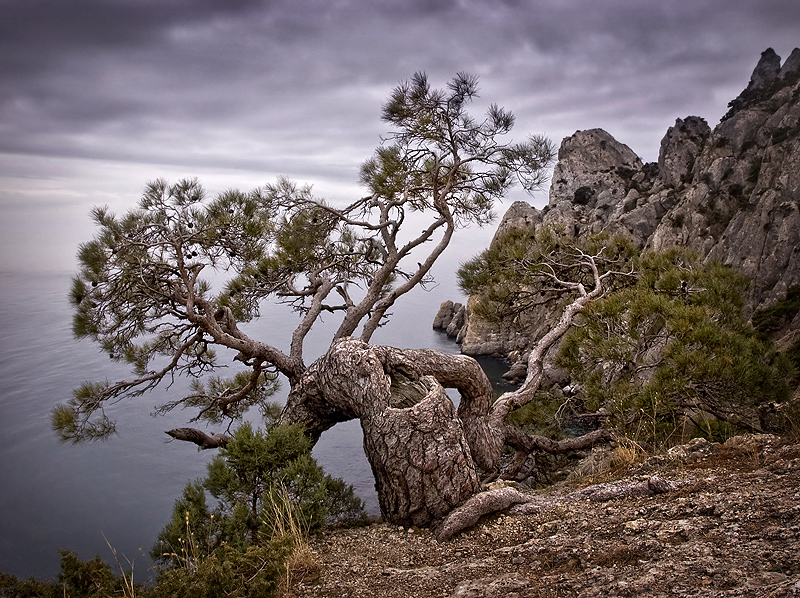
<point x="414" y="440"/>
<point x="426" y="457"/>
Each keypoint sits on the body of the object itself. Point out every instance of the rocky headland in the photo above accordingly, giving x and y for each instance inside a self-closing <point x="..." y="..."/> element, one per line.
<point x="731" y="193"/>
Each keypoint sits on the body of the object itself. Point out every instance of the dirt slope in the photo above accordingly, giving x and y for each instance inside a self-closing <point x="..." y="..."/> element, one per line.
<point x="733" y="529"/>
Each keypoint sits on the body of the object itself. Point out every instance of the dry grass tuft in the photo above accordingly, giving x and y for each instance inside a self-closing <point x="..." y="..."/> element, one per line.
<point x="301" y="564"/>
<point x="128" y="587"/>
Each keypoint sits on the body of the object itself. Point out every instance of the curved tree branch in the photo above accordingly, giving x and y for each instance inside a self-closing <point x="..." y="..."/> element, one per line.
<point x="200" y="438"/>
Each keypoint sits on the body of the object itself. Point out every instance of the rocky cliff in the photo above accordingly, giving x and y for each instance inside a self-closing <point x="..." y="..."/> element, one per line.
<point x="731" y="193"/>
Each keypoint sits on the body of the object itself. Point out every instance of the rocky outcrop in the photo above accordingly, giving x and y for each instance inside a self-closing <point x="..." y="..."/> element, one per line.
<point x="451" y="319"/>
<point x="731" y="193"/>
<point x="742" y="206"/>
<point x="679" y="150"/>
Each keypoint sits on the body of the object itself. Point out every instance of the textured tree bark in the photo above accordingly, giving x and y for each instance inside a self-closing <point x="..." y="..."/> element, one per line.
<point x="476" y="507"/>
<point x="415" y="443"/>
<point x="426" y="457"/>
<point x="499" y="499"/>
<point x="465" y="375"/>
<point x="200" y="438"/>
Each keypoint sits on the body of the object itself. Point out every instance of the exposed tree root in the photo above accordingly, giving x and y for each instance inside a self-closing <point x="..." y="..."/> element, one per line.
<point x="483" y="503"/>
<point x="519" y="503"/>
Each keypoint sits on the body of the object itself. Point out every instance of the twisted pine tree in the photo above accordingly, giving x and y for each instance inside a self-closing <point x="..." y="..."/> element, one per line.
<point x="142" y="293"/>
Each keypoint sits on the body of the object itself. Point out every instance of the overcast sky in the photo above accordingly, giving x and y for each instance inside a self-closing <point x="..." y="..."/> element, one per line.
<point x="97" y="97"/>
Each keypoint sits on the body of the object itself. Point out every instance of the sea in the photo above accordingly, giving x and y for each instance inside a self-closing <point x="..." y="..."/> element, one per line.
<point x="120" y="492"/>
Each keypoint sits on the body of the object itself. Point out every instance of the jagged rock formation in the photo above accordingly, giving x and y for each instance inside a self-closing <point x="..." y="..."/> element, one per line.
<point x="731" y="193"/>
<point x="451" y="318"/>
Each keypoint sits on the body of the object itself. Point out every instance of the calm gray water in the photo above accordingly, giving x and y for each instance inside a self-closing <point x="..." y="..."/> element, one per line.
<point x="62" y="496"/>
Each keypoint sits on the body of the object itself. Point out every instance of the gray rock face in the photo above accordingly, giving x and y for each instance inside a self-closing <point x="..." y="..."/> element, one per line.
<point x="679" y="150"/>
<point x="767" y="69"/>
<point x="592" y="169"/>
<point x="733" y="194"/>
<point x="444" y="316"/>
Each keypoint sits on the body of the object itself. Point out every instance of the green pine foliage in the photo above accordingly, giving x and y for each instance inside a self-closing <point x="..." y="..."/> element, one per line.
<point x="206" y="395"/>
<point x="772" y="319"/>
<point x="250" y="475"/>
<point x="517" y="273"/>
<point x="129" y="297"/>
<point x="76" y="578"/>
<point x="255" y="571"/>
<point x="668" y="346"/>
<point x="144" y="291"/>
<point x="268" y="490"/>
<point x="675" y="345"/>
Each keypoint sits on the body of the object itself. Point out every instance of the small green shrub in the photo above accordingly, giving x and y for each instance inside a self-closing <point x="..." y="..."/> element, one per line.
<point x="243" y="480"/>
<point x="511" y="278"/>
<point x="677" y="342"/>
<point x="76" y="579"/>
<point x="269" y="494"/>
<point x="252" y="572"/>
<point x="793" y="355"/>
<point x="626" y="173"/>
<point x="716" y="430"/>
<point x="540" y="416"/>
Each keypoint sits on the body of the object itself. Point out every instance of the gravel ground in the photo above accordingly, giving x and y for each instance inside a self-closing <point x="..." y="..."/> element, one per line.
<point x="731" y="529"/>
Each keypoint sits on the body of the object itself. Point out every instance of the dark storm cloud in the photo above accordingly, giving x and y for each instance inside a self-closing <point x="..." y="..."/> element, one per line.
<point x="95" y="67"/>
<point x="133" y="89"/>
<point x="101" y="23"/>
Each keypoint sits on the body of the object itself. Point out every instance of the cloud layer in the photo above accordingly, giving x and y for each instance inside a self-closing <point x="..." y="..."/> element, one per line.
<point x="99" y="96"/>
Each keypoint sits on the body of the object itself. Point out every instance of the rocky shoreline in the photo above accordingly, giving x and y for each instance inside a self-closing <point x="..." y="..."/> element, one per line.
<point x="732" y="528"/>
